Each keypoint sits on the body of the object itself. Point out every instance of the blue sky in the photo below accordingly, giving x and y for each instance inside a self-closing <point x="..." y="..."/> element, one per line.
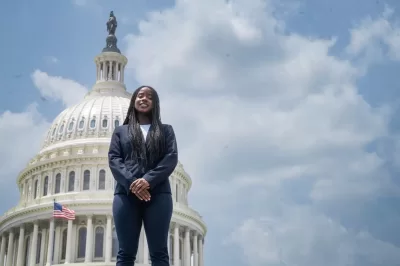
<point x="304" y="133"/>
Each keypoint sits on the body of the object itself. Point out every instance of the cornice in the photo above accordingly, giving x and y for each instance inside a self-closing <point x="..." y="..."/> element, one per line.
<point x="111" y="56"/>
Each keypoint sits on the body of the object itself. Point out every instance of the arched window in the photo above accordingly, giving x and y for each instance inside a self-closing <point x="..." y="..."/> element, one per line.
<point x="57" y="188"/>
<point x="93" y="123"/>
<point x="70" y="126"/>
<point x="102" y="179"/>
<point x="45" y="185"/>
<point x="27" y="250"/>
<point x="98" y="239"/>
<point x="36" y="188"/>
<point x="71" y="181"/>
<point x="86" y="180"/>
<point x="104" y="123"/>
<point x="116" y="123"/>
<point x="54" y="131"/>
<point x="61" y="129"/>
<point x="82" y="242"/>
<point x="64" y="244"/>
<point x="39" y="246"/>
<point x="81" y="124"/>
<point x="115" y="246"/>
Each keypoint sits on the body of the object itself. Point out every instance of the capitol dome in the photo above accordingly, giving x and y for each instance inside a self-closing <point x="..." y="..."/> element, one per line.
<point x="72" y="169"/>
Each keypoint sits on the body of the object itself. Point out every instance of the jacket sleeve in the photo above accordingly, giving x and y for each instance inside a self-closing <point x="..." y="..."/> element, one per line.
<point x="167" y="164"/>
<point x="117" y="164"/>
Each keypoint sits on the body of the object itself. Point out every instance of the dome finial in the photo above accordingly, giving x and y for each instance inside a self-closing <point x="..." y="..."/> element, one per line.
<point x="111" y="41"/>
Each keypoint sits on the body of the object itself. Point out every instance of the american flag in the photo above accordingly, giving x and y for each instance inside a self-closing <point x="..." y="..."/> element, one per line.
<point x="60" y="211"/>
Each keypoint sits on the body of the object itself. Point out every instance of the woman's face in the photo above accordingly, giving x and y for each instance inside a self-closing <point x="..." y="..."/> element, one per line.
<point x="143" y="101"/>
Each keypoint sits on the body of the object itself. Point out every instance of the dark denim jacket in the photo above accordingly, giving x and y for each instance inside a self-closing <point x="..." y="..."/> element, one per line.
<point x="126" y="169"/>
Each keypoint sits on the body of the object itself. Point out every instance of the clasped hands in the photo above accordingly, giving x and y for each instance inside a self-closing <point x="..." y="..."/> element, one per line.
<point x="140" y="188"/>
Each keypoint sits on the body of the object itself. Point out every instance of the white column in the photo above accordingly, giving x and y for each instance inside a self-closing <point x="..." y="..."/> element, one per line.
<point x="122" y="73"/>
<point x="42" y="246"/>
<point x="50" y="243"/>
<point x="195" y="252"/>
<point x="69" y="243"/>
<point x="176" y="245"/>
<point x="32" y="255"/>
<point x="145" y="248"/>
<point x="21" y="239"/>
<point x="108" y="239"/>
<point x="186" y="249"/>
<point x="201" y="253"/>
<point x="2" y="249"/>
<point x="89" y="240"/>
<point x="10" y="248"/>
<point x="57" y="245"/>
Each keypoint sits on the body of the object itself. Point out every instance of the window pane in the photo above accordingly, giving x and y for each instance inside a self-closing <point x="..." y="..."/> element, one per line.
<point x="71" y="181"/>
<point x="35" y="191"/>
<point x="64" y="244"/>
<point x="39" y="244"/>
<point x="102" y="179"/>
<point x="99" y="238"/>
<point x="45" y="185"/>
<point x="86" y="180"/>
<point x="82" y="242"/>
<point x="58" y="184"/>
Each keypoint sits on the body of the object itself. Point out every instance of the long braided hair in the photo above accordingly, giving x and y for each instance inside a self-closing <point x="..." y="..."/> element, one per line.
<point x="156" y="144"/>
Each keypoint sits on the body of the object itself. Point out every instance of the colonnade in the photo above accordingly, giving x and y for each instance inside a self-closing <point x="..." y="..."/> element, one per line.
<point x="88" y="239"/>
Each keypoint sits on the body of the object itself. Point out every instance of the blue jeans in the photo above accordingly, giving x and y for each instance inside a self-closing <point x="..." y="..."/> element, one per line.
<point x="129" y="214"/>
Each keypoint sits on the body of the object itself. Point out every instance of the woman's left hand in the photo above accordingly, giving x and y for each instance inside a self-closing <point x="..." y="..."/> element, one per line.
<point x="139" y="185"/>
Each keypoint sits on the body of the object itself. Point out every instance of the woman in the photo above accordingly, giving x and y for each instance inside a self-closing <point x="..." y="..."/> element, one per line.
<point x="143" y="154"/>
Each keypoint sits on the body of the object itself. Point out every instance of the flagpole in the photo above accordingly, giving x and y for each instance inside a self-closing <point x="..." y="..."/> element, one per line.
<point x="54" y="235"/>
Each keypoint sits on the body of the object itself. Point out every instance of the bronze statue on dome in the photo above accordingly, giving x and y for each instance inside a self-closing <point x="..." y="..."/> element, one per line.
<point x="111" y="24"/>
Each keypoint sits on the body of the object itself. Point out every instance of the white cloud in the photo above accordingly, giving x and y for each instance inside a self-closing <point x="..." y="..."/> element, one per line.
<point x="67" y="91"/>
<point x="258" y="110"/>
<point x="22" y="135"/>
<point x="375" y="38"/>
<point x="290" y="238"/>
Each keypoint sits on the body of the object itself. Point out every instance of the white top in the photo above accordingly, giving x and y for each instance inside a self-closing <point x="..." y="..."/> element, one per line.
<point x="145" y="130"/>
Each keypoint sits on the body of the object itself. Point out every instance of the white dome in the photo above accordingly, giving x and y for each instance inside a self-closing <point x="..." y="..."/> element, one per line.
<point x="93" y="118"/>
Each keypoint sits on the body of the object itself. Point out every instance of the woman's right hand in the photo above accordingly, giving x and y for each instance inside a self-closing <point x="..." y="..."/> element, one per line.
<point x="142" y="195"/>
